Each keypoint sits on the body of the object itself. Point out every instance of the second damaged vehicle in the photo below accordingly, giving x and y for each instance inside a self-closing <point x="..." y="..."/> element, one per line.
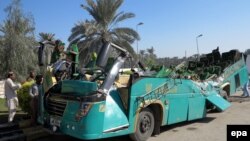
<point x="107" y="103"/>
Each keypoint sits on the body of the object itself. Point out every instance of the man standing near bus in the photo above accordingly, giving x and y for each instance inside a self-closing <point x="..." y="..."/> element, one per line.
<point x="11" y="96"/>
<point x="246" y="90"/>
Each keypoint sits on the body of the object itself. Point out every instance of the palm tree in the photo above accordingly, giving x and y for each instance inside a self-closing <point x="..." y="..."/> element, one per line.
<point x="46" y="36"/>
<point x="89" y="34"/>
<point x="150" y="57"/>
<point x="142" y="53"/>
<point x="151" y="50"/>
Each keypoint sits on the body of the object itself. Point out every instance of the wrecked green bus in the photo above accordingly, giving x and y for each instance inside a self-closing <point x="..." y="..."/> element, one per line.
<point x="110" y="103"/>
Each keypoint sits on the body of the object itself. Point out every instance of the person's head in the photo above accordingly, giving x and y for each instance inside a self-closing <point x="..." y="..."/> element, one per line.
<point x="61" y="47"/>
<point x="11" y="75"/>
<point x="57" y="44"/>
<point x="32" y="74"/>
<point x="39" y="79"/>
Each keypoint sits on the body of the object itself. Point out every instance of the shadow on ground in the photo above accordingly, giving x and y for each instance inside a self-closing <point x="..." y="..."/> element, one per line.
<point x="126" y="138"/>
<point x="174" y="126"/>
<point x="68" y="138"/>
<point x="19" y="116"/>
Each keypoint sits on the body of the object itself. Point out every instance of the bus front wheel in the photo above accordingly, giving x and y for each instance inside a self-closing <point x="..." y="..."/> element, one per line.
<point x="144" y="125"/>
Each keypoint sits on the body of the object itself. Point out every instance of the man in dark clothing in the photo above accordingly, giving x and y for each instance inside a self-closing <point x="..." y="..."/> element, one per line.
<point x="34" y="92"/>
<point x="58" y="50"/>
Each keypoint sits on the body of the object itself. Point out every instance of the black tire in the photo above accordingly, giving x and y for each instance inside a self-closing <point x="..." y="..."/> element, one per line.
<point x="144" y="125"/>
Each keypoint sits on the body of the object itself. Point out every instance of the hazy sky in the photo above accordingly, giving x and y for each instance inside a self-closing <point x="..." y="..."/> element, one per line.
<point x="170" y="26"/>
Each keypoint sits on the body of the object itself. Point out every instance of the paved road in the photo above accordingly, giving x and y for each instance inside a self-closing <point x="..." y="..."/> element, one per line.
<point x="212" y="128"/>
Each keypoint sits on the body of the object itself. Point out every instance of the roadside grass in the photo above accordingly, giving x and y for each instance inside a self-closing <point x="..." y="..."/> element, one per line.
<point x="4" y="113"/>
<point x="3" y="108"/>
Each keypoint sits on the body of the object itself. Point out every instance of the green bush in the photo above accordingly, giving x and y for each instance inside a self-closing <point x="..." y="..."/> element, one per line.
<point x="24" y="97"/>
<point x="128" y="72"/>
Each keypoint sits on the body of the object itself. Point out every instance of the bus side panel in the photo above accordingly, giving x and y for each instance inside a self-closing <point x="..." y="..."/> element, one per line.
<point x="140" y="88"/>
<point x="178" y="108"/>
<point x="238" y="80"/>
<point x="236" y="75"/>
<point x="243" y="76"/>
<point x="232" y="84"/>
<point x="197" y="108"/>
<point x="166" y="111"/>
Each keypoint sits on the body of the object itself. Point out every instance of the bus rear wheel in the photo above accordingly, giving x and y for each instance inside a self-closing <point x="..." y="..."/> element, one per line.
<point x="144" y="126"/>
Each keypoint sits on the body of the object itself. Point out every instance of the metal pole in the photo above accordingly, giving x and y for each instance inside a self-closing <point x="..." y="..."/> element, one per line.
<point x="198" y="54"/>
<point x="137" y="40"/>
<point x="137" y="50"/>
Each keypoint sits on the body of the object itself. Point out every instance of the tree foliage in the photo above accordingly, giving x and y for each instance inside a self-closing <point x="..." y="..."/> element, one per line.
<point x="247" y="52"/>
<point x="148" y="57"/>
<point x="46" y="36"/>
<point x="17" y="42"/>
<point x="89" y="34"/>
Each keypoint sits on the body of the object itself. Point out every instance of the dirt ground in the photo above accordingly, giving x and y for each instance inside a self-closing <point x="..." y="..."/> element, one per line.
<point x="212" y="128"/>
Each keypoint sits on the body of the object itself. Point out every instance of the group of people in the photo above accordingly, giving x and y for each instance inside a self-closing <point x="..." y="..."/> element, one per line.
<point x="10" y="88"/>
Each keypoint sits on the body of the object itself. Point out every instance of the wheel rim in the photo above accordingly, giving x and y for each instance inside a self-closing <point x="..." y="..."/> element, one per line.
<point x="145" y="124"/>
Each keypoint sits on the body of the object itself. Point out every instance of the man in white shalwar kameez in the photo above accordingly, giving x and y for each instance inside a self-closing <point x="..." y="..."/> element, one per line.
<point x="11" y="96"/>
